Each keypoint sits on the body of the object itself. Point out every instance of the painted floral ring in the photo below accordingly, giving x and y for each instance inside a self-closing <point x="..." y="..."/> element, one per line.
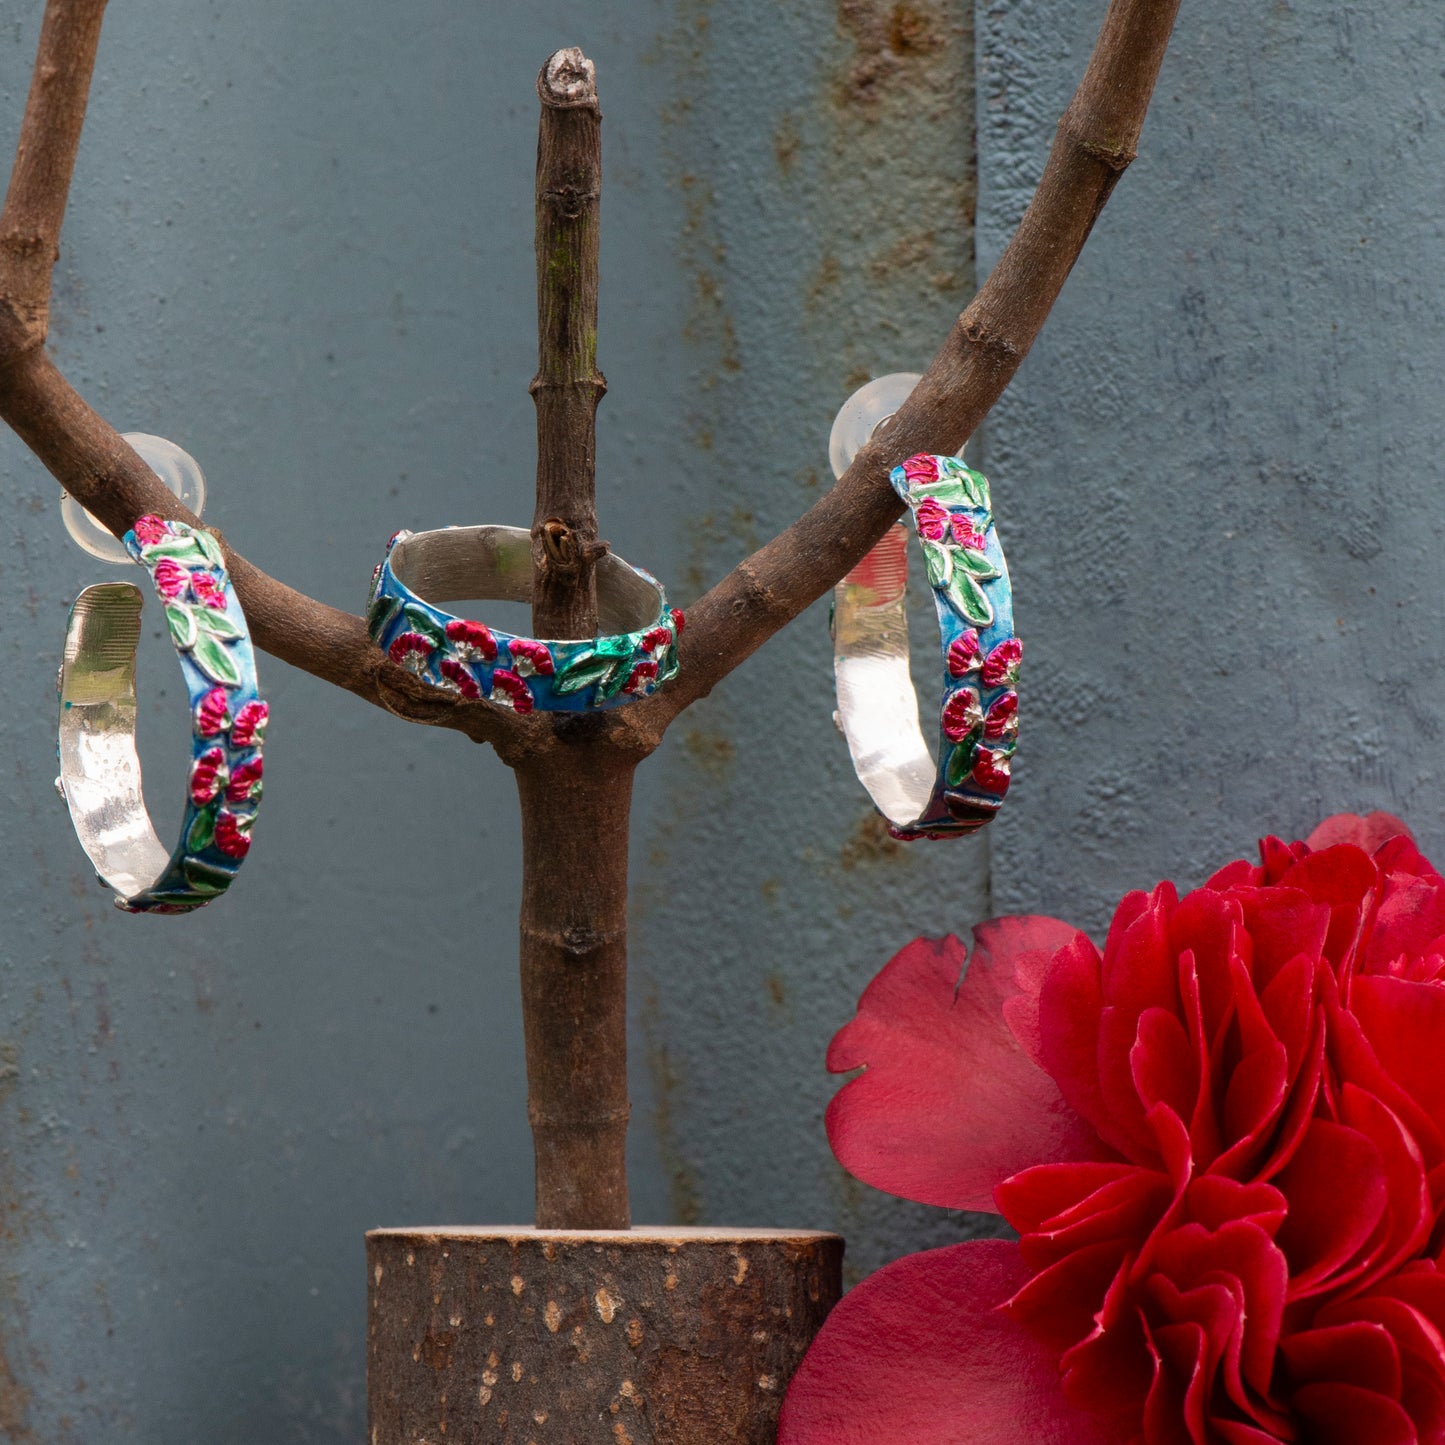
<point x="100" y="776"/>
<point x="960" y="789"/>
<point x="635" y="653"/>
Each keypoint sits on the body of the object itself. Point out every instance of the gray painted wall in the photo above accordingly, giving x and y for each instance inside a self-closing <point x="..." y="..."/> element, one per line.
<point x="301" y="246"/>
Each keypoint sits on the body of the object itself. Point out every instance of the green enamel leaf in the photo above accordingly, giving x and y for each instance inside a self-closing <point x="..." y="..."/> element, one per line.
<point x="182" y="622"/>
<point x="211" y="656"/>
<point x="614" y="647"/>
<point x="202" y="830"/>
<point x="419" y="620"/>
<point x="966" y="598"/>
<point x="585" y="669"/>
<point x="178" y="549"/>
<point x="960" y="764"/>
<point x="206" y="877"/>
<point x="616" y="680"/>
<point x="938" y="561"/>
<point x="379" y="615"/>
<point x="217" y="624"/>
<point x="210" y="549"/>
<point x="947" y="493"/>
<point x="669" y="665"/>
<point x="974" y="563"/>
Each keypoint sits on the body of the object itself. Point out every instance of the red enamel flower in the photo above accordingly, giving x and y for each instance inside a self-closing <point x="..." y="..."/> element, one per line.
<point x="1003" y="717"/>
<point x="1001" y="666"/>
<point x="151" y="529"/>
<point x="678" y="621"/>
<point x="471" y="641"/>
<point x="171" y="578"/>
<point x="208" y="590"/>
<point x="213" y="713"/>
<point x="964" y="654"/>
<point x="531" y="658"/>
<point x="208" y="776"/>
<point x="641" y="677"/>
<point x="460" y="678"/>
<point x="657" y="639"/>
<point x="250" y="725"/>
<point x="993" y="769"/>
<point x="932" y="519"/>
<point x="921" y="470"/>
<point x="245" y="784"/>
<point x="411" y="650"/>
<point x="961" y="714"/>
<point x="510" y="691"/>
<point x="967" y="535"/>
<point x="1221" y="1141"/>
<point x="233" y="833"/>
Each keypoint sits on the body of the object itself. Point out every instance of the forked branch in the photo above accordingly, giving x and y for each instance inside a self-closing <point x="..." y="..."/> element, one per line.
<point x="1096" y="140"/>
<point x="87" y="456"/>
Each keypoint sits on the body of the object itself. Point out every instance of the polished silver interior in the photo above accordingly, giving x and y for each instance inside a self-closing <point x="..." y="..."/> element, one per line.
<point x="456" y="563"/>
<point x="877" y="703"/>
<point x="99" y="768"/>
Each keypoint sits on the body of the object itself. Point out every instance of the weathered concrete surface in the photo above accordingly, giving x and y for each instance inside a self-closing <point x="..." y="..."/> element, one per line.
<point x="1226" y="451"/>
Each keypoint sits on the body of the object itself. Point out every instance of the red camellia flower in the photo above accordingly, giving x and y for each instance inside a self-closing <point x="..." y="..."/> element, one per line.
<point x="1221" y="1140"/>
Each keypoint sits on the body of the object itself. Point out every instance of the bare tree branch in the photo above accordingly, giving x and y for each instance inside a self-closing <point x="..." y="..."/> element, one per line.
<point x="87" y="456"/>
<point x="568" y="385"/>
<point x="1095" y="143"/>
<point x="44" y="159"/>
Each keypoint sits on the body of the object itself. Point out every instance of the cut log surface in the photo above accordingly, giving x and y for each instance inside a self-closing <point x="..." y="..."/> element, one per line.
<point x="569" y="1337"/>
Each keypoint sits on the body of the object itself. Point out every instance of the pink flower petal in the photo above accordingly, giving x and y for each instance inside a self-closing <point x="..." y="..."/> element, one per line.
<point x="920" y="1354"/>
<point x="949" y="1104"/>
<point x="1368" y="832"/>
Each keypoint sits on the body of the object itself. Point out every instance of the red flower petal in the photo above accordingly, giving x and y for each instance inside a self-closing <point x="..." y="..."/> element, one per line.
<point x="1348" y="1415"/>
<point x="919" y="1354"/>
<point x="950" y="1105"/>
<point x="1405" y="1024"/>
<point x="1335" y="1185"/>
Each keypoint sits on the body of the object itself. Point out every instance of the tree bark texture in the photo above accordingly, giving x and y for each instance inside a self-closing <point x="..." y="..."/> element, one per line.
<point x="568" y="385"/>
<point x="574" y="983"/>
<point x="655" y="1337"/>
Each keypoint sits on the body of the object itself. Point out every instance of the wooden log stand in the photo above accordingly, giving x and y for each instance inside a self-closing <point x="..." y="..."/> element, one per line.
<point x="569" y="1337"/>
